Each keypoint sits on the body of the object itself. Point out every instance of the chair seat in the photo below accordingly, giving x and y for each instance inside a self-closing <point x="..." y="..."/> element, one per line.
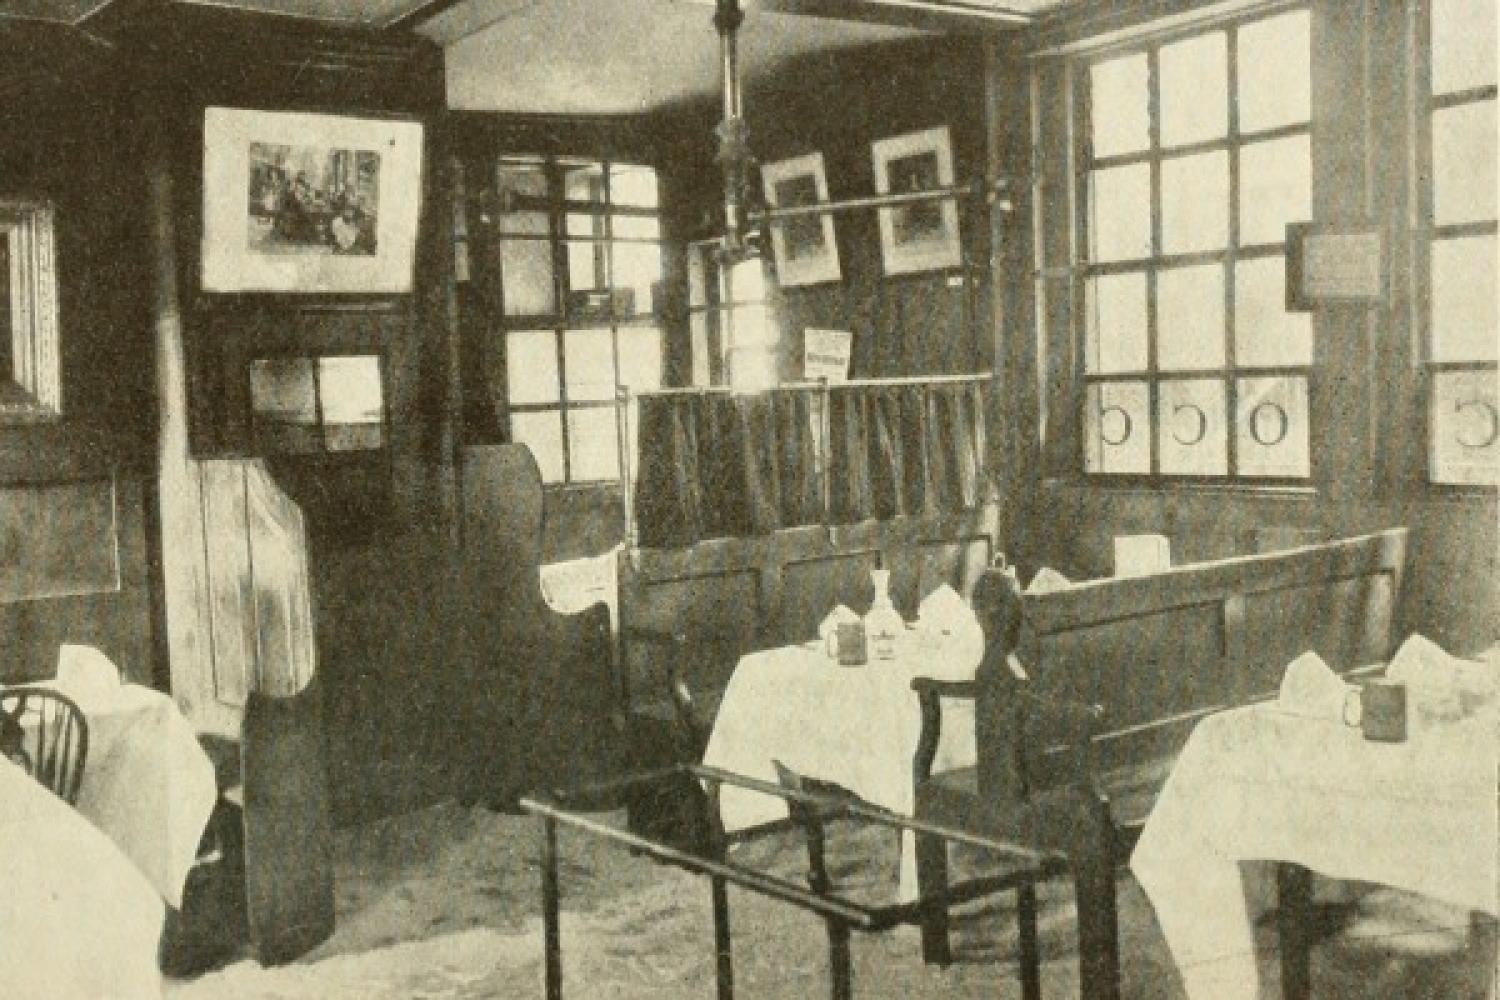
<point x="952" y="797"/>
<point x="1132" y="790"/>
<point x="948" y="798"/>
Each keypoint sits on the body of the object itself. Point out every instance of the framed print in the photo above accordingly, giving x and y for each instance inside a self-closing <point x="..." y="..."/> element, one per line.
<point x="297" y="202"/>
<point x="922" y="236"/>
<point x="806" y="250"/>
<point x="1334" y="264"/>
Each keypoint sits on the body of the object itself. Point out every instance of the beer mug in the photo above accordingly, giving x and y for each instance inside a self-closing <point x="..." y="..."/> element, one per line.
<point x="1378" y="710"/>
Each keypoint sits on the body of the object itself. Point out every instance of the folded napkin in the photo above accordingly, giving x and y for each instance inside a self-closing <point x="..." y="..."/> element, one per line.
<point x="1444" y="684"/>
<point x="1310" y="688"/>
<point x="1048" y="581"/>
<point x="830" y="623"/>
<point x="1142" y="555"/>
<point x="944" y="611"/>
<point x="86" y="675"/>
<point x="950" y="630"/>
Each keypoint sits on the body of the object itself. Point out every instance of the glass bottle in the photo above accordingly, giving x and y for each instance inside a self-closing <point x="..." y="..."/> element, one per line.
<point x="884" y="625"/>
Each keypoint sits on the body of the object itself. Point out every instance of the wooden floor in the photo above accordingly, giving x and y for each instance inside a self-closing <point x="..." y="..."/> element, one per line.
<point x="445" y="902"/>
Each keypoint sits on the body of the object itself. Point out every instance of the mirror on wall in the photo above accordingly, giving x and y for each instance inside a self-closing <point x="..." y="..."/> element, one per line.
<point x="30" y="376"/>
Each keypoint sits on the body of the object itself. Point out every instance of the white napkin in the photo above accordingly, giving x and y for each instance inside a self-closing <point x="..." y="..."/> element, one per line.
<point x="830" y="623"/>
<point x="1439" y="681"/>
<point x="1142" y="555"/>
<point x="1309" y="688"/>
<point x="1048" y="581"/>
<point x="86" y="675"/>
<point x="943" y="611"/>
<point x="951" y="631"/>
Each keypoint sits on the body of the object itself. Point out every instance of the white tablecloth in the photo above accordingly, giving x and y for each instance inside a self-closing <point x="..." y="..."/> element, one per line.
<point x="146" y="782"/>
<point x="854" y="726"/>
<point x="1257" y="784"/>
<point x="78" y="920"/>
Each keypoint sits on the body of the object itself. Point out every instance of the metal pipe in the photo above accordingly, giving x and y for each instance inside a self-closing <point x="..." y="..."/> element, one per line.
<point x="703" y="390"/>
<point x="767" y="885"/>
<point x="880" y="201"/>
<point x="733" y="152"/>
<point x="552" y="942"/>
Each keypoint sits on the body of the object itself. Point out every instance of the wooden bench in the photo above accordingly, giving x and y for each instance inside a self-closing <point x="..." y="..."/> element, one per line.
<point x="1094" y="689"/>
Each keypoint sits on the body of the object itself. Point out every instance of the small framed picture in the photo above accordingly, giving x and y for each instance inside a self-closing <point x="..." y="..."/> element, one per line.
<point x="807" y="252"/>
<point x="296" y="202"/>
<point x="923" y="235"/>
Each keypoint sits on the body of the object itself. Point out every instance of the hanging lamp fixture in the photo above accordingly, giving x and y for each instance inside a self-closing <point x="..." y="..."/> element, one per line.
<point x="734" y="157"/>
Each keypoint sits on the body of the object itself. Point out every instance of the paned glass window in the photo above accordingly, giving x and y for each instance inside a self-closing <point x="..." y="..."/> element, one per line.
<point x="579" y="272"/>
<point x="1459" y="201"/>
<point x="1193" y="155"/>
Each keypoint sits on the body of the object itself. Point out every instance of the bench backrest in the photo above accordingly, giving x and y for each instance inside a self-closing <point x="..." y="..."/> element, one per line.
<point x="1158" y="652"/>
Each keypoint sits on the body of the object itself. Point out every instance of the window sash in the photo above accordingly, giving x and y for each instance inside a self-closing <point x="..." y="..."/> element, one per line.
<point x="1460" y="417"/>
<point x="1222" y="369"/>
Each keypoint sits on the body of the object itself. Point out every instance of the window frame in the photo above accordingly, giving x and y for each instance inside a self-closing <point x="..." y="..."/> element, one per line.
<point x="1426" y="232"/>
<point x="1080" y="269"/>
<point x="564" y="318"/>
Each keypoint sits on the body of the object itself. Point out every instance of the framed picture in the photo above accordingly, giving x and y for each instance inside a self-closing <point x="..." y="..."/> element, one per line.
<point x="296" y="202"/>
<point x="1335" y="264"/>
<point x="922" y="236"/>
<point x="806" y="250"/>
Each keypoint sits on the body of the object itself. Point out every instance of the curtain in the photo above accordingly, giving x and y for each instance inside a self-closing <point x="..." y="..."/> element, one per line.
<point x="713" y="465"/>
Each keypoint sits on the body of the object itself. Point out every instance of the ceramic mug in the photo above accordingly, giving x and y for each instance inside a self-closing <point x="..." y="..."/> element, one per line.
<point x="1379" y="710"/>
<point x="850" y="637"/>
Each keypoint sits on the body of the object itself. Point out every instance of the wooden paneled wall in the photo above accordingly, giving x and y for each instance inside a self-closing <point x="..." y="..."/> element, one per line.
<point x="76" y="494"/>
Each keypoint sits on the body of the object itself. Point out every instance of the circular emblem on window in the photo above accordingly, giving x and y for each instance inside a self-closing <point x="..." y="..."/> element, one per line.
<point x="1114" y="426"/>
<point x="1478" y="431"/>
<point x="1198" y="430"/>
<point x="1269" y="424"/>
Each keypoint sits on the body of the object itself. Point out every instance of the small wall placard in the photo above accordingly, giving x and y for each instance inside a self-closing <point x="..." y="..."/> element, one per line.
<point x="1334" y="265"/>
<point x="826" y="354"/>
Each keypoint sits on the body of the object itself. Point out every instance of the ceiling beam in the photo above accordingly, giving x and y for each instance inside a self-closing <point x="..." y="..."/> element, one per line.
<point x="929" y="15"/>
<point x="421" y="13"/>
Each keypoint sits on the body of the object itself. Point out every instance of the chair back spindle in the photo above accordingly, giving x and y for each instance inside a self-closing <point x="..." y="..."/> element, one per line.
<point x="44" y="732"/>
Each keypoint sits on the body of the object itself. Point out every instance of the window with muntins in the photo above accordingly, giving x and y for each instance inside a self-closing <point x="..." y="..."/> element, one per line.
<point x="1457" y="204"/>
<point x="735" y="337"/>
<point x="580" y="273"/>
<point x="1192" y="154"/>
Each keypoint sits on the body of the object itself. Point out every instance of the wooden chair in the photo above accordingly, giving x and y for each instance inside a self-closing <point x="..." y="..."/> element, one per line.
<point x="1002" y="798"/>
<point x="48" y="736"/>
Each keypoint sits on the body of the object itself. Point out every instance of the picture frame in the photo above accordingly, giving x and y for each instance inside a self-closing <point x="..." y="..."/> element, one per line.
<point x="922" y="236"/>
<point x="309" y="203"/>
<point x="31" y="374"/>
<point x="1336" y="264"/>
<point x="806" y="246"/>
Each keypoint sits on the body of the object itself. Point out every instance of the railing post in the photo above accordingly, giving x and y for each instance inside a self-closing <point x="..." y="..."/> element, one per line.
<point x="723" y="953"/>
<point x="552" y="943"/>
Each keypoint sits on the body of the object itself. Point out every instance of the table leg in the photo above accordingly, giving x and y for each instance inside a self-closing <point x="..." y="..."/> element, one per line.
<point x="1293" y="918"/>
<point x="839" y="965"/>
<point x="1484" y="942"/>
<point x="552" y="943"/>
<point x="1030" y="951"/>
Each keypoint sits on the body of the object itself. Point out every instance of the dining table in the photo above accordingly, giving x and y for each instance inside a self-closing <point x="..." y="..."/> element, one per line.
<point x="856" y="727"/>
<point x="78" y="917"/>
<point x="1264" y="784"/>
<point x="147" y="782"/>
